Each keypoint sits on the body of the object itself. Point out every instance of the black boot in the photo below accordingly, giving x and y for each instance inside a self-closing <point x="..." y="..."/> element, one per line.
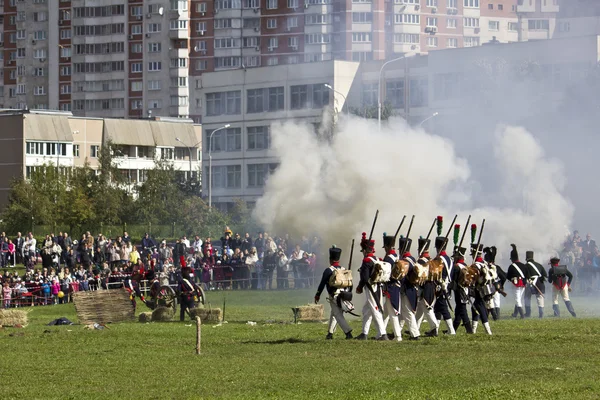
<point x="520" y="311"/>
<point x="570" y="308"/>
<point x="391" y="336"/>
<point x="329" y="336"/>
<point x="492" y="312"/>
<point x="362" y="336"/>
<point x="527" y="311"/>
<point x="349" y="335"/>
<point x="541" y="310"/>
<point x="468" y="327"/>
<point x="556" y="310"/>
<point x="432" y="333"/>
<point x="514" y="314"/>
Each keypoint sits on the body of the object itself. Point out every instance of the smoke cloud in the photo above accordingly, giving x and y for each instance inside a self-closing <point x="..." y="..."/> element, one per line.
<point x="333" y="187"/>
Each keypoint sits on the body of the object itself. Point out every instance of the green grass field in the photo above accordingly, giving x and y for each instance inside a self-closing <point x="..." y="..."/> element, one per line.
<point x="534" y="359"/>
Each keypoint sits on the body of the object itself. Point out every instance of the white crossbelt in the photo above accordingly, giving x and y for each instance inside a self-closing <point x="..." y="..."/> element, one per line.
<point x="518" y="270"/>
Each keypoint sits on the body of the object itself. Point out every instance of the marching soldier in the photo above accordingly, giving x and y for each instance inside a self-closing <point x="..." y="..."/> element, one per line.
<point x="427" y="298"/>
<point x="392" y="289"/>
<point x="517" y="273"/>
<point x="337" y="314"/>
<point x="461" y="294"/>
<point x="535" y="284"/>
<point x="441" y="304"/>
<point x="409" y="290"/>
<point x="187" y="291"/>
<point x="479" y="309"/>
<point x="498" y="281"/>
<point x="560" y="278"/>
<point x="372" y="310"/>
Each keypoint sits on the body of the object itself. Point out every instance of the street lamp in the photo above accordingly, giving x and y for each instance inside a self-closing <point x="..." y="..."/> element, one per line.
<point x="335" y="91"/>
<point x="210" y="164"/>
<point x="379" y="87"/>
<point x="435" y="114"/>
<point x="190" y="151"/>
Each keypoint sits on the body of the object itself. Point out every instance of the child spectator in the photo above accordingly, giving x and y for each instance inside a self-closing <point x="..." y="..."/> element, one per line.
<point x="46" y="291"/>
<point x="6" y="295"/>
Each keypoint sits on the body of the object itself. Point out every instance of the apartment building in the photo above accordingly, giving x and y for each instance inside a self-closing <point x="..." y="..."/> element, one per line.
<point x="33" y="139"/>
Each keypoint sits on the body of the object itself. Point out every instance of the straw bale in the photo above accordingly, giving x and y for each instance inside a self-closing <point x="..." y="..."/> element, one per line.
<point x="207" y="314"/>
<point x="103" y="306"/>
<point x="13" y="317"/>
<point x="145" y="317"/>
<point x="311" y="312"/>
<point x="163" y="314"/>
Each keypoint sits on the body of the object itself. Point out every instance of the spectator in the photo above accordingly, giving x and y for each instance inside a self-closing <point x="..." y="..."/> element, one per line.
<point x="197" y="245"/>
<point x="236" y="242"/>
<point x="19" y="243"/>
<point x="251" y="260"/>
<point x="46" y="291"/>
<point x="164" y="254"/>
<point x="6" y="294"/>
<point x="283" y="270"/>
<point x="99" y="257"/>
<point x="126" y="237"/>
<point x="29" y="251"/>
<point x="185" y="241"/>
<point x="246" y="243"/>
<point x="55" y="287"/>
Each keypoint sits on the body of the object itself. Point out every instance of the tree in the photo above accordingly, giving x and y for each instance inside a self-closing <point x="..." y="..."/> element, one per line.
<point x="160" y="197"/>
<point x="371" y="111"/>
<point x="26" y="206"/>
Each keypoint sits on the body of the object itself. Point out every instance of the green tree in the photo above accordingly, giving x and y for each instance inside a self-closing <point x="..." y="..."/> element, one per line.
<point x="160" y="197"/>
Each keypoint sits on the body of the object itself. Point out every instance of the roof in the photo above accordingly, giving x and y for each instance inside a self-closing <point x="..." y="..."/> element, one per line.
<point x="128" y="132"/>
<point x="47" y="127"/>
<point x="166" y="134"/>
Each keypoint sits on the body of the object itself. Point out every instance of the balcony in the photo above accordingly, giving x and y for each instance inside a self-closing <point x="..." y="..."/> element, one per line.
<point x="551" y="7"/>
<point x="179" y="34"/>
<point x="525" y="6"/>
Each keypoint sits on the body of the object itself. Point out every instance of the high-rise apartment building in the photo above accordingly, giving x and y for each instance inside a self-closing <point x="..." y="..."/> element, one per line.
<point x="141" y="58"/>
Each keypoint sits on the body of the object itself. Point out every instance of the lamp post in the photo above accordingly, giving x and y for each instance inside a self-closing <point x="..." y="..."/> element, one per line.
<point x="210" y="164"/>
<point x="345" y="99"/>
<point x="190" y="151"/>
<point x="379" y="87"/>
<point x="435" y="114"/>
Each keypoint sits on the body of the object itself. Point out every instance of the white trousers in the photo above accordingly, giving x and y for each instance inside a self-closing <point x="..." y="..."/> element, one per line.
<point x="538" y="297"/>
<point x="519" y="291"/>
<point x="392" y="316"/>
<point x="371" y="312"/>
<point x="428" y="313"/>
<point x="496" y="300"/>
<point x="337" y="317"/>
<point x="409" y="317"/>
<point x="564" y="292"/>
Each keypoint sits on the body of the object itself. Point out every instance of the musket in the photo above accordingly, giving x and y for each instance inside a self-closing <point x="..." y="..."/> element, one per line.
<point x="224" y="300"/>
<point x="410" y="226"/>
<point x="398" y="230"/>
<point x="428" y="234"/>
<point x="479" y="240"/>
<point x="451" y="226"/>
<point x="464" y="232"/>
<point x="373" y="226"/>
<point x="351" y="252"/>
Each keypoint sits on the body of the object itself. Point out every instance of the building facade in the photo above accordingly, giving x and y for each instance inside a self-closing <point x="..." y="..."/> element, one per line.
<point x="35" y="139"/>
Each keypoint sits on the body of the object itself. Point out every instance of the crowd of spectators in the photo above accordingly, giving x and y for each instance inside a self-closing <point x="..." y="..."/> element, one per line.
<point x="583" y="258"/>
<point x="60" y="266"/>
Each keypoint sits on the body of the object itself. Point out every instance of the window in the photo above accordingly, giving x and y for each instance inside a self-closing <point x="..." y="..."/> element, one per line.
<point x="167" y="154"/>
<point x="250" y="3"/>
<point x="181" y="81"/>
<point x="431" y="21"/>
<point x="154" y="47"/>
<point x="276" y="98"/>
<point x="362" y="17"/>
<point x="299" y="97"/>
<point x="250" y="23"/>
<point x="39" y="35"/>
<point x="223" y="103"/>
<point x="94" y="151"/>
<point x="317" y="19"/>
<point x="65" y="52"/>
<point x="432" y="3"/>
<point x="451" y="23"/>
<point x="201" y="27"/>
<point x="432" y="42"/>
<point x="201" y="7"/>
<point x="39" y="16"/>
<point x="76" y="150"/>
<point x="394" y="91"/>
<point x="513" y="26"/>
<point x="136" y="29"/>
<point x="271" y="4"/>
<point x="317" y="38"/>
<point x="309" y="96"/>
<point x="39" y="72"/>
<point x="361" y="37"/>
<point x="39" y="53"/>
<point x="413" y="19"/>
<point x="137" y="86"/>
<point x="65" y="89"/>
<point x="271" y="23"/>
<point x="471" y="41"/>
<point x="136" y="104"/>
<point x="22" y="16"/>
<point x="229" y="139"/>
<point x="259" y="138"/>
<point x="292" y="3"/>
<point x="21" y="52"/>
<point x="362" y="56"/>
<point x="451" y="3"/>
<point x="136" y="11"/>
<point x="273" y="43"/>
<point x="452" y="42"/>
<point x="494" y="25"/>
<point x="564" y="26"/>
<point x="257" y="174"/>
<point x="418" y="91"/>
<point x="179" y="5"/>
<point x="154" y="66"/>
<point x="21" y="33"/>
<point x="538" y="24"/>
<point x="227" y="62"/>
<point x="406" y="38"/>
<point x="65" y="34"/>
<point x="293" y="42"/>
<point x="65" y="71"/>
<point x="227" y="43"/>
<point x="292" y="22"/>
<point x="446" y="86"/>
<point x="471" y="3"/>
<point x="153" y="104"/>
<point x="369" y="94"/>
<point x="255" y="101"/>
<point x="201" y="65"/>
<point x="178" y="24"/>
<point x="153" y="28"/>
<point x="490" y="6"/>
<point x="178" y="62"/>
<point x="471" y="22"/>
<point x="293" y="60"/>
<point x="179" y="101"/>
<point x="35" y="148"/>
<point x="136" y="67"/>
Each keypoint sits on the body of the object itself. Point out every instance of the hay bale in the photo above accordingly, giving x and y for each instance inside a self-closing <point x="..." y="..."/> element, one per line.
<point x="207" y="314"/>
<point x="145" y="317"/>
<point x="103" y="306"/>
<point x="163" y="314"/>
<point x="311" y="312"/>
<point x="13" y="318"/>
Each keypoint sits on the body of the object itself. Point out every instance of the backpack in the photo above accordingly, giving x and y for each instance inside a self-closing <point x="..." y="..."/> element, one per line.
<point x="340" y="278"/>
<point x="382" y="271"/>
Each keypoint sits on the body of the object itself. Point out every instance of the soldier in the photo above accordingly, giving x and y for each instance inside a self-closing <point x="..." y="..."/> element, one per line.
<point x="409" y="290"/>
<point x="479" y="309"/>
<point x="518" y="274"/>
<point x="535" y="284"/>
<point x="374" y="296"/>
<point x="461" y="294"/>
<point x="132" y="285"/>
<point x="498" y="282"/>
<point x="560" y="278"/>
<point x="427" y="296"/>
<point x="187" y="290"/>
<point x="441" y="304"/>
<point x="392" y="290"/>
<point x="337" y="314"/>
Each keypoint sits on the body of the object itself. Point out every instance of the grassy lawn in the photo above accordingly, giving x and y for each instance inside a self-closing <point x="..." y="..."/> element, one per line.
<point x="536" y="359"/>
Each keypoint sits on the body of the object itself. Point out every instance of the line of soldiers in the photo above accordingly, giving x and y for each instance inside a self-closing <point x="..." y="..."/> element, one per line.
<point x="405" y="289"/>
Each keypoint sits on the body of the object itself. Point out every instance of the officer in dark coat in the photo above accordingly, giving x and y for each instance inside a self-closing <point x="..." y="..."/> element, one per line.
<point x="535" y="284"/>
<point x="461" y="294"/>
<point x="441" y="310"/>
<point x="517" y="273"/>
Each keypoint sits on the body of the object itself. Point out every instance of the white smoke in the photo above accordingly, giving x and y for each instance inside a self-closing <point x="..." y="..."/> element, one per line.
<point x="333" y="188"/>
